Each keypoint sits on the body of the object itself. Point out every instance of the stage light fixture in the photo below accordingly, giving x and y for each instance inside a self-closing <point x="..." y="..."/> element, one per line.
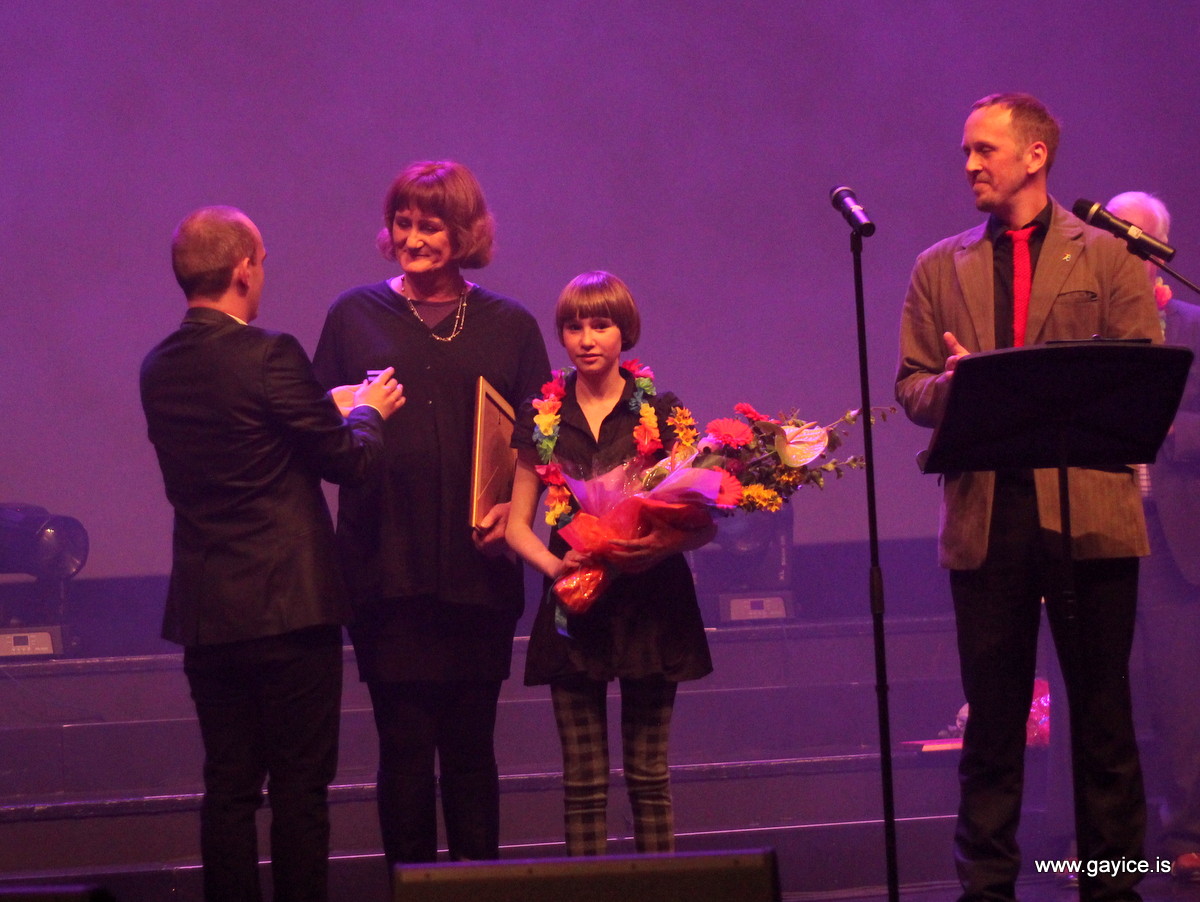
<point x="52" y="549"/>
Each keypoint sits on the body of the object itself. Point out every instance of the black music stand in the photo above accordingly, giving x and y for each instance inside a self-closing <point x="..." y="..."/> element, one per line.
<point x="1096" y="404"/>
<point x="1101" y="403"/>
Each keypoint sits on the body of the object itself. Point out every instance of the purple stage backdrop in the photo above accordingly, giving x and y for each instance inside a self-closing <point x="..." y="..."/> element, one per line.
<point x="687" y="146"/>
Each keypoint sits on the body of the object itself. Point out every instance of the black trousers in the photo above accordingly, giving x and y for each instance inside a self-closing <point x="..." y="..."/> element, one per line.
<point x="997" y="612"/>
<point x="454" y="723"/>
<point x="269" y="711"/>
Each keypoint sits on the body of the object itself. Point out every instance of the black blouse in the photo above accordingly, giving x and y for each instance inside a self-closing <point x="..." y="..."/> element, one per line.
<point x="644" y="625"/>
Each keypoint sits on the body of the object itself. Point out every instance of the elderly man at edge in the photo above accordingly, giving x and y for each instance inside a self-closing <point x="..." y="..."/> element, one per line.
<point x="1169" y="590"/>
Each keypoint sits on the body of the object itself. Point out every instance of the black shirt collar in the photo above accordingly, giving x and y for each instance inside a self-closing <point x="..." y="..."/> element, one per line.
<point x="996" y="229"/>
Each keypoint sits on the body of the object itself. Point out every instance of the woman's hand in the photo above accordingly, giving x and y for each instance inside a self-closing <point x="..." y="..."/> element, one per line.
<point x="488" y="535"/>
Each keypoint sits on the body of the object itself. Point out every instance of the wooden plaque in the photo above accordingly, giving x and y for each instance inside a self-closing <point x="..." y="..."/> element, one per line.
<point x="492" y="460"/>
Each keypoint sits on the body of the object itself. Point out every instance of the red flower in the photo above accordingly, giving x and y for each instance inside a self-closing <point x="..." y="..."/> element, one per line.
<point x="751" y="414"/>
<point x="556" y="388"/>
<point x="550" y="474"/>
<point x="730" y="432"/>
<point x="635" y="369"/>
<point x="1162" y="293"/>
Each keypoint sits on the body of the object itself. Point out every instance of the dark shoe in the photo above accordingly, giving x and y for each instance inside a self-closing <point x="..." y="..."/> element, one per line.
<point x="1186" y="867"/>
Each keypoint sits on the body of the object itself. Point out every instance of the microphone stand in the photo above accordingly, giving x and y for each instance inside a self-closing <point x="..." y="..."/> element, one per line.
<point x="1163" y="266"/>
<point x="876" y="583"/>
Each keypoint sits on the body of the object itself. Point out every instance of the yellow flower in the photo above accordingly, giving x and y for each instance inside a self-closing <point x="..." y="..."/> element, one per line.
<point x="759" y="497"/>
<point x="558" y="502"/>
<point x="790" y="476"/>
<point x="546" y="422"/>
<point x="685" y="426"/>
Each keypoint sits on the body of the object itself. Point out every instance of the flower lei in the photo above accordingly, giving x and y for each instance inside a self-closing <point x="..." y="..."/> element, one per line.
<point x="548" y="418"/>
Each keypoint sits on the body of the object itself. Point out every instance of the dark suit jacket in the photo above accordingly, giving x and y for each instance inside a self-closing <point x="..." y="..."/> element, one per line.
<point x="1086" y="283"/>
<point x="244" y="436"/>
<point x="1175" y="475"/>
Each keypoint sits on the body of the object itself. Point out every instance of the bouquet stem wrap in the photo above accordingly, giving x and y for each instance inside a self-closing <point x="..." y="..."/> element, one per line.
<point x="612" y="508"/>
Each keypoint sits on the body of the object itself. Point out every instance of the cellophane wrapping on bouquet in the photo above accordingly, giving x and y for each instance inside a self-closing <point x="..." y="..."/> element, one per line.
<point x="614" y="507"/>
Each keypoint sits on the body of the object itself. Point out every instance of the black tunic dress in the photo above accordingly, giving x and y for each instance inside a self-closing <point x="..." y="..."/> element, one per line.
<point x="427" y="605"/>
<point x="644" y="625"/>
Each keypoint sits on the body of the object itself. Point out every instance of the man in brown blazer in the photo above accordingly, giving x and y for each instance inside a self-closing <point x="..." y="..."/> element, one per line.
<point x="244" y="435"/>
<point x="1000" y="531"/>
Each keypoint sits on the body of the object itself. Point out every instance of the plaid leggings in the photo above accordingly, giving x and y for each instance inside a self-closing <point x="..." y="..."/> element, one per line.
<point x="582" y="716"/>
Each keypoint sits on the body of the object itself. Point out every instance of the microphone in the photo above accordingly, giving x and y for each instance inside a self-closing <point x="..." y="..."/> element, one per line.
<point x="847" y="204"/>
<point x="1139" y="242"/>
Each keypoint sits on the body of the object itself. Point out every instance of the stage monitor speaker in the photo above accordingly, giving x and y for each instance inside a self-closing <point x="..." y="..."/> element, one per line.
<point x="55" y="893"/>
<point x="744" y="577"/>
<point x="750" y="875"/>
<point x="31" y="642"/>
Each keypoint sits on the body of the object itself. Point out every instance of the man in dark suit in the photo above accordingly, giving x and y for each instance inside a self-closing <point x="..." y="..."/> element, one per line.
<point x="1032" y="273"/>
<point x="1169" y="590"/>
<point x="244" y="435"/>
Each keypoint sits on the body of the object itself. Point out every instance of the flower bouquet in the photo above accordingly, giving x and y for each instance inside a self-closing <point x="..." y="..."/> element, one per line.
<point x="1037" y="724"/>
<point x="750" y="464"/>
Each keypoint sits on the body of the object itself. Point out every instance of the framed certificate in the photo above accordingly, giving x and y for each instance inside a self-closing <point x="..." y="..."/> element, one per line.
<point x="492" y="460"/>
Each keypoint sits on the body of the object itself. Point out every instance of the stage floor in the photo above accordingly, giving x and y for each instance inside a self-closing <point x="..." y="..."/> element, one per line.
<point x="1153" y="889"/>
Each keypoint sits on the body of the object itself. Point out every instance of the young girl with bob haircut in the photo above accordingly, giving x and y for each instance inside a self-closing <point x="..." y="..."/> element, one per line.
<point x="645" y="630"/>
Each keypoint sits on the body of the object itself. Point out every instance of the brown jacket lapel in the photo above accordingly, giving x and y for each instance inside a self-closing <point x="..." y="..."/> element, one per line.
<point x="973" y="267"/>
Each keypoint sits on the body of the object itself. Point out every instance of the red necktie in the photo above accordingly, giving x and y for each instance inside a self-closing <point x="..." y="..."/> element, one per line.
<point x="1022" y="280"/>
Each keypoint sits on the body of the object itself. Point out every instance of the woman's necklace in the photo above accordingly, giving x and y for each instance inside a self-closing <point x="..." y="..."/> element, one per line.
<point x="460" y="316"/>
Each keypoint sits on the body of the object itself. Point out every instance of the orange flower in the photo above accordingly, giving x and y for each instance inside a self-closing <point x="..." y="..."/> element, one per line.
<point x="730" y="494"/>
<point x="645" y="433"/>
<point x="548" y="404"/>
<point x="727" y="431"/>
